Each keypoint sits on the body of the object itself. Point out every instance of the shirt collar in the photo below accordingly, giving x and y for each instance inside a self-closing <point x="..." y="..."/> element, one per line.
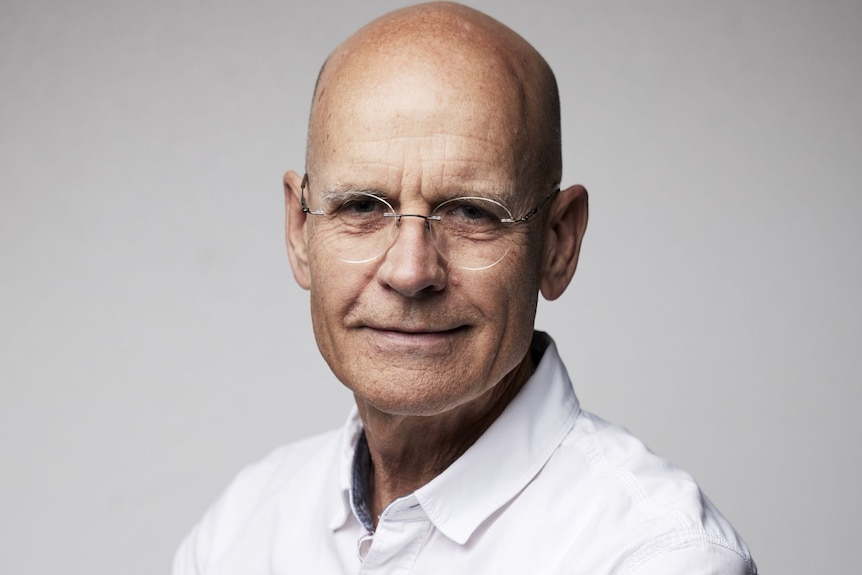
<point x="340" y="508"/>
<point x="509" y="454"/>
<point x="501" y="462"/>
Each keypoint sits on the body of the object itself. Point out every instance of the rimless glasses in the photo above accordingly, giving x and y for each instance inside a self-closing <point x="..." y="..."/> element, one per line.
<point x="470" y="232"/>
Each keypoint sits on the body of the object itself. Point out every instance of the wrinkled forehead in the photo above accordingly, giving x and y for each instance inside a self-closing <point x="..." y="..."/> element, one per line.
<point x="379" y="96"/>
<point x="396" y="98"/>
<point x="415" y="111"/>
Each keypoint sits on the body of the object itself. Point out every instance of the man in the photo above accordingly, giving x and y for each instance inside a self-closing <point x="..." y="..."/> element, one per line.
<point x="427" y="222"/>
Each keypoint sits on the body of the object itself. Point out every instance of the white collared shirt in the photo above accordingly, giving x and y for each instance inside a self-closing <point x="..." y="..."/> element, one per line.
<point x="548" y="488"/>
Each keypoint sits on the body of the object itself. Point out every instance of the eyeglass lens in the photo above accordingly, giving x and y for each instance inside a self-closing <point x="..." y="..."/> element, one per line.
<point x="468" y="232"/>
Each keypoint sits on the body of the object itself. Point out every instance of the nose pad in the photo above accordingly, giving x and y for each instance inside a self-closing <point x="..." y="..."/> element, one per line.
<point x="429" y="233"/>
<point x="413" y="265"/>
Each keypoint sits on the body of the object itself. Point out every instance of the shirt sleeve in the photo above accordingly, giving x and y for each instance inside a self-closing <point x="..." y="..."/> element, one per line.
<point x="186" y="559"/>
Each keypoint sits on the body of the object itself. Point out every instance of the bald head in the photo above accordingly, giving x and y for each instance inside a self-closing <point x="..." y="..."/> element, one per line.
<point x="442" y="63"/>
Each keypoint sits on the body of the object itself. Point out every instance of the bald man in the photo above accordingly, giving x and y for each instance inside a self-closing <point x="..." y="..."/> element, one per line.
<point x="426" y="223"/>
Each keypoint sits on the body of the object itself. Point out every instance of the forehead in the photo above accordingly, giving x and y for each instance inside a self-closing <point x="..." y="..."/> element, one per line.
<point x="397" y="117"/>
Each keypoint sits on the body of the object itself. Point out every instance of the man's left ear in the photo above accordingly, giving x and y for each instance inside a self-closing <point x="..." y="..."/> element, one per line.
<point x="567" y="224"/>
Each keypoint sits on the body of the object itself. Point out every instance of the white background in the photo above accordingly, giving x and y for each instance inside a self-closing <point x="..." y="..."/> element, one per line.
<point x="152" y="340"/>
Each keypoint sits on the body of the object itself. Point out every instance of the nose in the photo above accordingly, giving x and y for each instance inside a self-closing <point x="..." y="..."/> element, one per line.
<point x="412" y="266"/>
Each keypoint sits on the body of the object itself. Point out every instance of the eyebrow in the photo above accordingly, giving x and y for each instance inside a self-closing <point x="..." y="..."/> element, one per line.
<point x="504" y="196"/>
<point x="341" y="190"/>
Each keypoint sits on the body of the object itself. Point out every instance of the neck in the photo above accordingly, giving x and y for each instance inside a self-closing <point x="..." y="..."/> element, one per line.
<point x="409" y="451"/>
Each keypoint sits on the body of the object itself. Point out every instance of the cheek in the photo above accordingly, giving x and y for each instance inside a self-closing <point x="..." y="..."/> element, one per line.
<point x="331" y="294"/>
<point x="522" y="294"/>
<point x="330" y="302"/>
<point x="523" y="297"/>
<point x="337" y="289"/>
<point x="509" y="307"/>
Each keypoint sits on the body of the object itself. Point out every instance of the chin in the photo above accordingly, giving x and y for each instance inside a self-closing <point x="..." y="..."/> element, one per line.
<point x="406" y="394"/>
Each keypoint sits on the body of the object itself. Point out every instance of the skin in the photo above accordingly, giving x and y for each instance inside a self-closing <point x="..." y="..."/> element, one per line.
<point x="421" y="105"/>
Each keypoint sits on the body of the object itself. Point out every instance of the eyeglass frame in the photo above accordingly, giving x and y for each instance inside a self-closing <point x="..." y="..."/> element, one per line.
<point x="523" y="219"/>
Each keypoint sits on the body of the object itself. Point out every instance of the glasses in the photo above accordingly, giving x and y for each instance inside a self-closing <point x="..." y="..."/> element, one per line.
<point x="471" y="233"/>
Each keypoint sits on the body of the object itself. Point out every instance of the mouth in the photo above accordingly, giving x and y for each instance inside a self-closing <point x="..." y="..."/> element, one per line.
<point x="416" y="330"/>
<point x="425" y="340"/>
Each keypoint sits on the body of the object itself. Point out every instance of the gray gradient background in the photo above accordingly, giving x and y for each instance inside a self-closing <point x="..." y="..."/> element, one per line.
<point x="152" y="340"/>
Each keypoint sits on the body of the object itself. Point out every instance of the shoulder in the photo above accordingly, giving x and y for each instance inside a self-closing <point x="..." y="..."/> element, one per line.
<point x="654" y="514"/>
<point x="259" y="497"/>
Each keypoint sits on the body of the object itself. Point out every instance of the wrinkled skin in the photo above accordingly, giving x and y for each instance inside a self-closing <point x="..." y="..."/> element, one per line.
<point x="422" y="105"/>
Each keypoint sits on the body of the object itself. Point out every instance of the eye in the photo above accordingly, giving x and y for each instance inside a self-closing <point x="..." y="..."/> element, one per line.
<point x="469" y="212"/>
<point x="472" y="212"/>
<point x="472" y="218"/>
<point x="359" y="206"/>
<point x="364" y="206"/>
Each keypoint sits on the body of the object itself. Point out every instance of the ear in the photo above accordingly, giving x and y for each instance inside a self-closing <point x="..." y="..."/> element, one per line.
<point x="294" y="229"/>
<point x="567" y="224"/>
